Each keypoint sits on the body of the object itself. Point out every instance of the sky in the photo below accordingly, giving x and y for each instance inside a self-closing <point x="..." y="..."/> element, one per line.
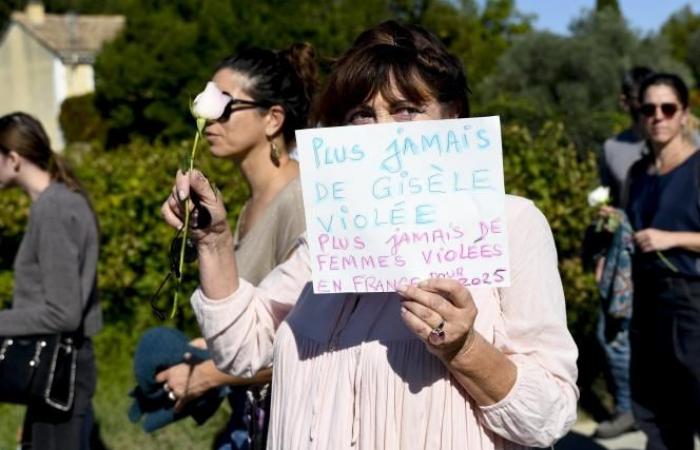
<point x="643" y="15"/>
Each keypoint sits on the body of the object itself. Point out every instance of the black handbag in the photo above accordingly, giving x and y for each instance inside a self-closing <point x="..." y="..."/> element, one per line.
<point x="38" y="370"/>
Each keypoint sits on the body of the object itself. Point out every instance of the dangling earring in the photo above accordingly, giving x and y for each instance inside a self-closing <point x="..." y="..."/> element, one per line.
<point x="274" y="154"/>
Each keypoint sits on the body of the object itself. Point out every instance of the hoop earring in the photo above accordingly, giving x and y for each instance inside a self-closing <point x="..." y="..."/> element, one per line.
<point x="274" y="154"/>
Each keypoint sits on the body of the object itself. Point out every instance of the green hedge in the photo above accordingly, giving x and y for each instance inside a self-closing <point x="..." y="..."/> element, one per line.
<point x="547" y="169"/>
<point x="81" y="121"/>
<point x="127" y="187"/>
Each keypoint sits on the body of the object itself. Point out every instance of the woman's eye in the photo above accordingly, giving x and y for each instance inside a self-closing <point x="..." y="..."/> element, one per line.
<point x="361" y="118"/>
<point x="405" y="113"/>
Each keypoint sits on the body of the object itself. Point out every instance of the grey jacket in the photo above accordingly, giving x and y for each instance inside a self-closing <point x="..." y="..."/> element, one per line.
<point x="55" y="269"/>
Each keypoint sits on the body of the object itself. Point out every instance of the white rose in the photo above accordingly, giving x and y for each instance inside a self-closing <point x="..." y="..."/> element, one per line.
<point x="210" y="103"/>
<point x="599" y="196"/>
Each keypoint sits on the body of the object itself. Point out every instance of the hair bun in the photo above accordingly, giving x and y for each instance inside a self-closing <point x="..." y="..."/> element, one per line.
<point x="302" y="57"/>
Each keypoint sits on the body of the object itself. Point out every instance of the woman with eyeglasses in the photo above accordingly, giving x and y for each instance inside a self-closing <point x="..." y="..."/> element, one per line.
<point x="664" y="207"/>
<point x="269" y="93"/>
<point x="55" y="274"/>
<point x="432" y="366"/>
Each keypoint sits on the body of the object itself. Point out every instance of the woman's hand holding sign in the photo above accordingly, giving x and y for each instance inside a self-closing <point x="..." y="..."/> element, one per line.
<point x="441" y="311"/>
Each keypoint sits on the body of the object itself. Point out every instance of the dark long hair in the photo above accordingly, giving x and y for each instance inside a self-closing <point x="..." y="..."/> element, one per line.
<point x="287" y="78"/>
<point x="407" y="56"/>
<point x="22" y="133"/>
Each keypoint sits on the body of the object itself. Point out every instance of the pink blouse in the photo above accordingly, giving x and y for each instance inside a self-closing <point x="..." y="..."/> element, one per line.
<point x="349" y="374"/>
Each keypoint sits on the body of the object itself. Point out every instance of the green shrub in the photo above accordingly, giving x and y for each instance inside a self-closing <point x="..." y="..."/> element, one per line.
<point x="81" y="121"/>
<point x="14" y="206"/>
<point x="127" y="187"/>
<point x="547" y="169"/>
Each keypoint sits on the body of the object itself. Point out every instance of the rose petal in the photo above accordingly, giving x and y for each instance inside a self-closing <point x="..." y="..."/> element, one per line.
<point x="210" y="103"/>
<point x="599" y="196"/>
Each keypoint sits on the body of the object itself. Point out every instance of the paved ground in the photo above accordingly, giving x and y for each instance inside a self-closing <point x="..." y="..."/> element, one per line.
<point x="580" y="439"/>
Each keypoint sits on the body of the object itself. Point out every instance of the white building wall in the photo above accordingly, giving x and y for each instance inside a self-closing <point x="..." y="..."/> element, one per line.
<point x="28" y="81"/>
<point x="60" y="83"/>
<point x="81" y="80"/>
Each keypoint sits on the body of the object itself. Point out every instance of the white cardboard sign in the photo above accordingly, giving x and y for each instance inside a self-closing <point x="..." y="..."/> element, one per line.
<point x="392" y="204"/>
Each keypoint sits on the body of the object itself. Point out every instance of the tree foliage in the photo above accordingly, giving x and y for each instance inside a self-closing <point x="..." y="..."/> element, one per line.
<point x="80" y="121"/>
<point x="168" y="49"/>
<point x="612" y="5"/>
<point x="6" y="8"/>
<point x="574" y="77"/>
<point x="545" y="167"/>
<point x="127" y="187"/>
<point x="682" y="30"/>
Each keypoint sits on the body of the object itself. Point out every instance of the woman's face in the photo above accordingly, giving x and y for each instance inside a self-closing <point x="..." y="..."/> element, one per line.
<point x="666" y="121"/>
<point x="380" y="110"/>
<point x="7" y="171"/>
<point x="237" y="133"/>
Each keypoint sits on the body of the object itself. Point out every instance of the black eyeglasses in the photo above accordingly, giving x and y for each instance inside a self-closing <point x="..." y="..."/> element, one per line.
<point x="247" y="104"/>
<point x="667" y="109"/>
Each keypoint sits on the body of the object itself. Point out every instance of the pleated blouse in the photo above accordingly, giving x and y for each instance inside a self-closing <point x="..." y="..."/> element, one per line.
<point x="348" y="374"/>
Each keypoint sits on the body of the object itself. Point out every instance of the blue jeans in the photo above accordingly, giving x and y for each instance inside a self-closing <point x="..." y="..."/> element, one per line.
<point x="613" y="336"/>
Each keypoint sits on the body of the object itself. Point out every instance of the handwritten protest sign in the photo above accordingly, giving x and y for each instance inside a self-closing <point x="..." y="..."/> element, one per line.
<point x="392" y="204"/>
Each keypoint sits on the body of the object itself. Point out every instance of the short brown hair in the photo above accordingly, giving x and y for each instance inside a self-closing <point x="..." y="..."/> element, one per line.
<point x="408" y="55"/>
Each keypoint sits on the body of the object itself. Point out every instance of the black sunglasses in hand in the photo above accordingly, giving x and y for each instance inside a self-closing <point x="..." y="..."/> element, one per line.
<point x="201" y="218"/>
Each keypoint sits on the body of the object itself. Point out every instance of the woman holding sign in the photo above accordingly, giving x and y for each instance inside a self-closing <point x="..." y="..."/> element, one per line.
<point x="435" y="365"/>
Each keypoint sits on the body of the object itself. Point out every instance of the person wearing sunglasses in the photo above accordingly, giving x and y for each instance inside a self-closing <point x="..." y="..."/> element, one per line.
<point x="433" y="366"/>
<point x="617" y="155"/>
<point x="55" y="274"/>
<point x="664" y="207"/>
<point x="269" y="94"/>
